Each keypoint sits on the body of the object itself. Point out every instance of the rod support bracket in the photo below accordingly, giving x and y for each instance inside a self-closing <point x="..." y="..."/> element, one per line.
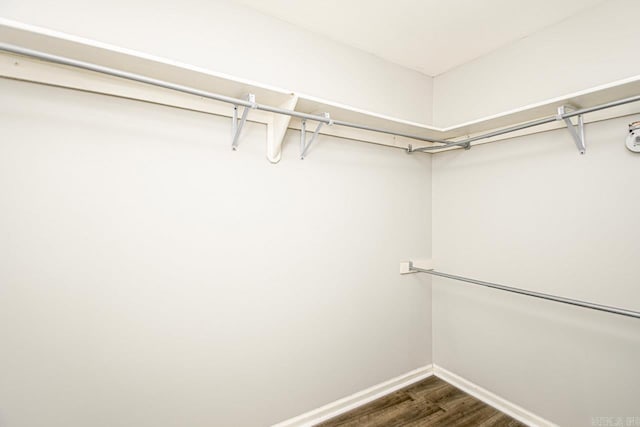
<point x="577" y="130"/>
<point x="237" y="125"/>
<point x="304" y="144"/>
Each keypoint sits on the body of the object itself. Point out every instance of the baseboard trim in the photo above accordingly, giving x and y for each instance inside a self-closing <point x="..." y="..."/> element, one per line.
<point x="357" y="399"/>
<point x="492" y="399"/>
<point x="360" y="398"/>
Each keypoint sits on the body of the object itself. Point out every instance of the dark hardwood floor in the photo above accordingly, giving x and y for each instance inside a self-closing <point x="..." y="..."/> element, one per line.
<point x="431" y="402"/>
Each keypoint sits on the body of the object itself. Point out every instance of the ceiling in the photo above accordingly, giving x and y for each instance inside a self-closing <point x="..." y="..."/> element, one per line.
<point x="430" y="36"/>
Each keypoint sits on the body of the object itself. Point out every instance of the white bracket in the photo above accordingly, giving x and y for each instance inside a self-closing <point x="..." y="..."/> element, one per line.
<point x="277" y="126"/>
<point x="576" y="131"/>
<point x="406" y="266"/>
<point x="304" y="145"/>
<point x="236" y="126"/>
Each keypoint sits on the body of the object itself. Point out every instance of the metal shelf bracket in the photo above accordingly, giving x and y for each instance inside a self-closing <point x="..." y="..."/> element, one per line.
<point x="577" y="130"/>
<point x="237" y="125"/>
<point x="304" y="145"/>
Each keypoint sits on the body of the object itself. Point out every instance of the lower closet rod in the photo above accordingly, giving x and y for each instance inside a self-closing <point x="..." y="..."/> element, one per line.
<point x="593" y="306"/>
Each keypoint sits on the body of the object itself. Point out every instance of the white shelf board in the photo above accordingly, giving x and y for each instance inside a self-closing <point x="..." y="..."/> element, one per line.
<point x="586" y="98"/>
<point x="82" y="49"/>
<point x="69" y="46"/>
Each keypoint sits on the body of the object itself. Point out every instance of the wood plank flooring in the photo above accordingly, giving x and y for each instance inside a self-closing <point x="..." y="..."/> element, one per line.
<point x="431" y="402"/>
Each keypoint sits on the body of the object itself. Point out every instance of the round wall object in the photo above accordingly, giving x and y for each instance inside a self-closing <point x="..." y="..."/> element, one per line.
<point x="633" y="139"/>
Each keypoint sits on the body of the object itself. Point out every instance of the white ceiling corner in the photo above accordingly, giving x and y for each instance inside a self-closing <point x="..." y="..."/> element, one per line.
<point x="430" y="36"/>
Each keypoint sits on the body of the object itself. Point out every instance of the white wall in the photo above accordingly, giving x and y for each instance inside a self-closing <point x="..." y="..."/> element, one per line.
<point x="152" y="277"/>
<point x="595" y="47"/>
<point x="236" y="40"/>
<point x="532" y="213"/>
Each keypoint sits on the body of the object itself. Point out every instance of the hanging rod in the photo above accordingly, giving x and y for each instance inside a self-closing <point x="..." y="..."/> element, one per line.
<point x="209" y="95"/>
<point x="562" y="115"/>
<point x="570" y="301"/>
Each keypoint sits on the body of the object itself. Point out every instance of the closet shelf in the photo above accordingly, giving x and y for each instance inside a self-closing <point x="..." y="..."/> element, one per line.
<point x="130" y="61"/>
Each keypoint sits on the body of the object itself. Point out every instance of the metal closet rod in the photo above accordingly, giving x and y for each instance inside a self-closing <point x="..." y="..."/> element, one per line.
<point x="210" y="95"/>
<point x="466" y="143"/>
<point x="570" y="301"/>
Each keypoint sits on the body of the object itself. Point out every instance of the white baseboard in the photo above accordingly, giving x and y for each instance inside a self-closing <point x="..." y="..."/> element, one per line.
<point x="360" y="398"/>
<point x="492" y="399"/>
<point x="357" y="399"/>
